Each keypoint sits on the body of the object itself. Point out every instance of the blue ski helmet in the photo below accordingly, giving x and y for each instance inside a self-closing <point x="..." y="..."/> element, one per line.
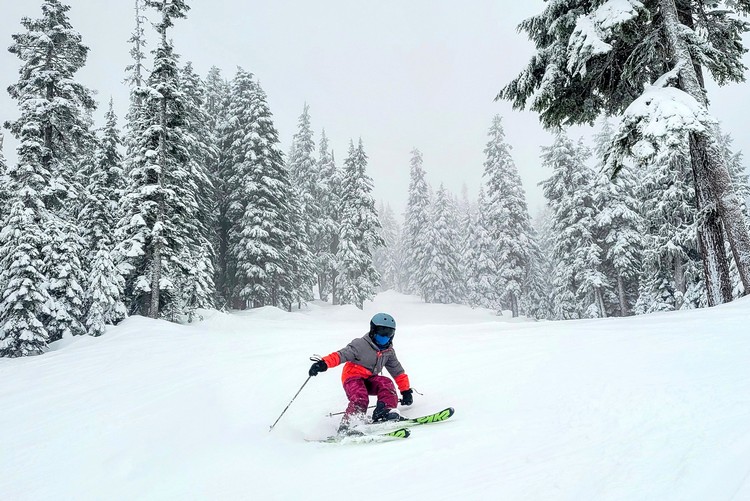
<point x="382" y="330"/>
<point x="383" y="320"/>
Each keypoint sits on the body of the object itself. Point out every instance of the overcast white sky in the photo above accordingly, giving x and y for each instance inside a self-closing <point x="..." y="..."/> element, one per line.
<point x="400" y="74"/>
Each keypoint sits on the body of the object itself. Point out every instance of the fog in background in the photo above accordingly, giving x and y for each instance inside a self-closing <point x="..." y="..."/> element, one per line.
<point x="401" y="75"/>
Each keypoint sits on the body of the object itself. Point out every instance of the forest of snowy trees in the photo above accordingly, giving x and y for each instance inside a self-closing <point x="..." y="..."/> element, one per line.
<point x="193" y="204"/>
<point x="652" y="217"/>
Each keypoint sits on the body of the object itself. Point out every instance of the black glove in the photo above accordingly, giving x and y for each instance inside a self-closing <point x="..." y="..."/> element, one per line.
<point x="406" y="397"/>
<point x="318" y="366"/>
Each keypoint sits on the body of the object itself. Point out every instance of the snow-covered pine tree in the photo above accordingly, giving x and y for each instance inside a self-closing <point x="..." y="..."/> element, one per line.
<point x="465" y="213"/>
<point x="216" y="109"/>
<point x="388" y="260"/>
<point x="54" y="106"/>
<point x="537" y="297"/>
<point x="24" y="300"/>
<point x="270" y="257"/>
<point x="197" y="287"/>
<point x="202" y="150"/>
<point x="302" y="263"/>
<point x="478" y="263"/>
<point x="741" y="182"/>
<point x="235" y="166"/>
<point x="105" y="284"/>
<point x="54" y="132"/>
<point x="358" y="236"/>
<point x="440" y="261"/>
<point x="136" y="71"/>
<point x="104" y="190"/>
<point x="671" y="275"/>
<point x="160" y="231"/>
<point x="576" y="75"/>
<point x="621" y="224"/>
<point x="507" y="218"/>
<point x="325" y="247"/>
<point x="417" y="222"/>
<point x="217" y="95"/>
<point x="578" y="280"/>
<point x="65" y="280"/>
<point x="304" y="175"/>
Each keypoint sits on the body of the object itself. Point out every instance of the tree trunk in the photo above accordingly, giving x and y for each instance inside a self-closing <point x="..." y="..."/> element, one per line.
<point x="710" y="236"/>
<point x="679" y="279"/>
<point x="621" y="294"/>
<point x="600" y="302"/>
<point x="706" y="151"/>
<point x="513" y="304"/>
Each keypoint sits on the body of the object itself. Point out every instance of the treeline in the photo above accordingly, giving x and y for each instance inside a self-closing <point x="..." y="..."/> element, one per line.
<point x="192" y="205"/>
<point x="600" y="248"/>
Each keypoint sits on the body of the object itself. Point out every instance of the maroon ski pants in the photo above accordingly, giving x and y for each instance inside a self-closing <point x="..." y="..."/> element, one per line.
<point x="358" y="391"/>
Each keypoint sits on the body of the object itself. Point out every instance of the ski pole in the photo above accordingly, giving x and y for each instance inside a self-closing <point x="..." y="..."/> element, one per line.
<point x="331" y="414"/>
<point x="290" y="403"/>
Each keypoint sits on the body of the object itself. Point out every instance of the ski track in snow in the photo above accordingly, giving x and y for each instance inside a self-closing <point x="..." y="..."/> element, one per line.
<point x="647" y="408"/>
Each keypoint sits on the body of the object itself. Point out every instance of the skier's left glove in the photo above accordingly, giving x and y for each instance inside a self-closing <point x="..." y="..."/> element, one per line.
<point x="319" y="366"/>
<point x="406" y="397"/>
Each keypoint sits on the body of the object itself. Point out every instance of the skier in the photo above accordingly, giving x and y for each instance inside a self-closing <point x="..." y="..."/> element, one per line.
<point x="365" y="358"/>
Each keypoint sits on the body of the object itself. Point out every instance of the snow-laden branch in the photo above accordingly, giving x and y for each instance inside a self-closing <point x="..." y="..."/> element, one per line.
<point x="592" y="32"/>
<point x="657" y="123"/>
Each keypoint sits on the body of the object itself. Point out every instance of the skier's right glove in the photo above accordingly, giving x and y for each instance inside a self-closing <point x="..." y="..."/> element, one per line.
<point x="319" y="366"/>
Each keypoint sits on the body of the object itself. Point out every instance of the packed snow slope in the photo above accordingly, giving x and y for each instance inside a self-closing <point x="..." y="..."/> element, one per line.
<point x="648" y="408"/>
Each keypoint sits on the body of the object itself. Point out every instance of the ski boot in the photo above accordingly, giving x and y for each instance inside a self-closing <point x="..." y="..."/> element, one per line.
<point x="382" y="413"/>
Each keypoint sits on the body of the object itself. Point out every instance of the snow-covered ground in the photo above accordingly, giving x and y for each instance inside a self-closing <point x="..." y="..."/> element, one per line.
<point x="647" y="408"/>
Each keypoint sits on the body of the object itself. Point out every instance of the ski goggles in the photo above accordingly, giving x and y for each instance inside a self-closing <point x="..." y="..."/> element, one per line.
<point x="383" y="335"/>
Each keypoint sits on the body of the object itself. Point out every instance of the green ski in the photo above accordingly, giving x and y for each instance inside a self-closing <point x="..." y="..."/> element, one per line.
<point x="365" y="438"/>
<point x="437" y="417"/>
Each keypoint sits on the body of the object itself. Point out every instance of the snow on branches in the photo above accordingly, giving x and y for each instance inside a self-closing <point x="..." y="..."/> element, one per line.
<point x="657" y="123"/>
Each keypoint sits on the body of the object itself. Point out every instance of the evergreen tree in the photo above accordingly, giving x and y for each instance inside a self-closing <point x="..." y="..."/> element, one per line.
<point x="671" y="277"/>
<point x="263" y="242"/>
<point x="594" y="58"/>
<point x="465" y="213"/>
<point x="136" y="71"/>
<point x="54" y="106"/>
<point x="198" y="288"/>
<point x="478" y="263"/>
<point x="25" y="301"/>
<point x="388" y="260"/>
<point x="303" y="174"/>
<point x="578" y="281"/>
<point x="441" y="260"/>
<point x="416" y="225"/>
<point x="104" y="189"/>
<point x="54" y="135"/>
<point x="215" y="108"/>
<point x="161" y="229"/>
<point x="235" y="166"/>
<point x="537" y="297"/>
<point x="358" y="236"/>
<point x="325" y="247"/>
<point x="741" y="182"/>
<point x="621" y="224"/>
<point x="508" y="221"/>
<point x="105" y="284"/>
<point x="65" y="280"/>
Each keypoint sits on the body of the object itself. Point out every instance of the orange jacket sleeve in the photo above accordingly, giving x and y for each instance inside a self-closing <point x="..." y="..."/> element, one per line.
<point x="402" y="381"/>
<point x="332" y="360"/>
